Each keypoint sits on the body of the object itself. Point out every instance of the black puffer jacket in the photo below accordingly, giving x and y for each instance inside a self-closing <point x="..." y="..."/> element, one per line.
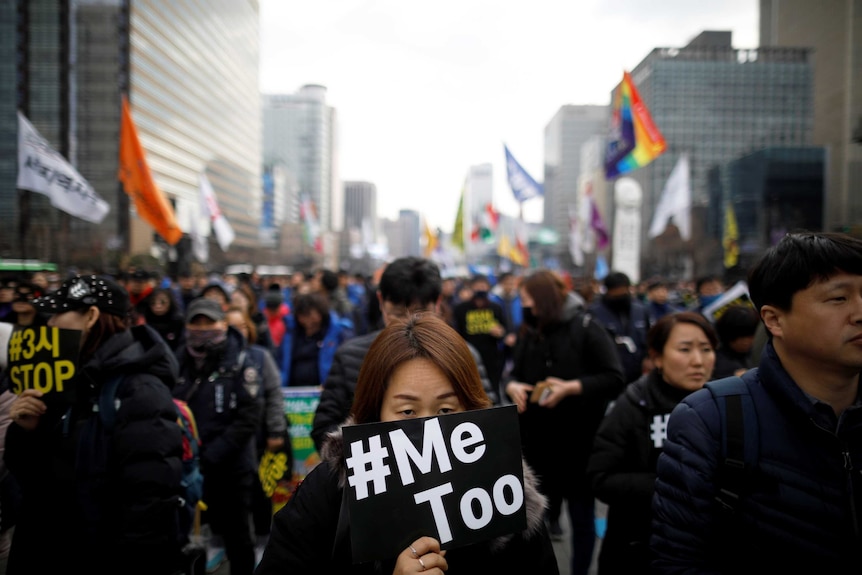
<point x="106" y="502"/>
<point x="622" y="469"/>
<point x="801" y="509"/>
<point x="226" y="407"/>
<point x="336" y="399"/>
<point x="307" y="536"/>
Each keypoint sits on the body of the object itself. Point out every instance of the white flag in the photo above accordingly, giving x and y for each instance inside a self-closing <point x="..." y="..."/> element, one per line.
<point x="44" y="170"/>
<point x="575" y="242"/>
<point x="209" y="205"/>
<point x="675" y="202"/>
<point x="200" y="243"/>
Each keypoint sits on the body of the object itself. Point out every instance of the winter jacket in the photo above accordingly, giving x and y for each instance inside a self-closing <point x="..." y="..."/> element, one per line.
<point x="337" y="331"/>
<point x="474" y="319"/>
<point x="336" y="399"/>
<point x="622" y="469"/>
<point x="226" y="407"/>
<point x="260" y="368"/>
<point x="800" y="510"/>
<point x="628" y="332"/>
<point x="97" y="501"/>
<point x="311" y="534"/>
<point x="557" y="441"/>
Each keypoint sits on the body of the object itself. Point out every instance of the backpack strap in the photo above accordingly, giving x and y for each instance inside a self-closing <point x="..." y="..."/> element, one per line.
<point x="738" y="451"/>
<point x="107" y="406"/>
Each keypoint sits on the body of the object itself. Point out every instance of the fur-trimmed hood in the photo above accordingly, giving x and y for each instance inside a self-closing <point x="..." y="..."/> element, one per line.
<point x="536" y="503"/>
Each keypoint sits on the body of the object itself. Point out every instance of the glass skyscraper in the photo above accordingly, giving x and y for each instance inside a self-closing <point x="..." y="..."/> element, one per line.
<point x="715" y="104"/>
<point x="299" y="136"/>
<point x="191" y="73"/>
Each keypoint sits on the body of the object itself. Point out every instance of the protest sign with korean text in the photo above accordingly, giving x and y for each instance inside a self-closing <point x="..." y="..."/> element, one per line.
<point x="458" y="478"/>
<point x="44" y="358"/>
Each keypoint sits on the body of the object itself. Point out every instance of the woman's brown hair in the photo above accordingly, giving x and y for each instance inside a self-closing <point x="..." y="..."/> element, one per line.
<point x="249" y="324"/>
<point x="549" y="295"/>
<point x="424" y="336"/>
<point x="107" y="325"/>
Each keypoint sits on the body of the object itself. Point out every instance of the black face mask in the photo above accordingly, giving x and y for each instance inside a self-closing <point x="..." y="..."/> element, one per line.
<point x="618" y="303"/>
<point x="529" y="319"/>
<point x="480" y="295"/>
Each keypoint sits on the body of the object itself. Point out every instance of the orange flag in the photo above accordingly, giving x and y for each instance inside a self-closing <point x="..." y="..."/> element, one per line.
<point x="151" y="203"/>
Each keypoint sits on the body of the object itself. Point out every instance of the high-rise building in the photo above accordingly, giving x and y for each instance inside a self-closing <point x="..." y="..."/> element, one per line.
<point x="360" y="218"/>
<point x="299" y="135"/>
<point x="569" y="129"/>
<point x="65" y="65"/>
<point x="360" y="208"/>
<point x="715" y="104"/>
<point x="833" y="28"/>
<point x="403" y="235"/>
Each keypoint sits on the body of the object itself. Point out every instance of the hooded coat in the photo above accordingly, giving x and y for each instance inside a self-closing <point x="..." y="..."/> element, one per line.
<point x="308" y="538"/>
<point x="96" y="501"/>
<point x="557" y="441"/>
<point x="622" y="469"/>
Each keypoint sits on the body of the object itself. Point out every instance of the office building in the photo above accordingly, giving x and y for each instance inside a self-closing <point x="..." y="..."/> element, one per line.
<point x="833" y="29"/>
<point x="66" y="64"/>
<point x="771" y="192"/>
<point x="299" y="135"/>
<point x="715" y="103"/>
<point x="569" y="129"/>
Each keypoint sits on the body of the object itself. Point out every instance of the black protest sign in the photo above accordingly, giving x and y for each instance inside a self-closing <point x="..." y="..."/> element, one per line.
<point x="458" y="478"/>
<point x="44" y="358"/>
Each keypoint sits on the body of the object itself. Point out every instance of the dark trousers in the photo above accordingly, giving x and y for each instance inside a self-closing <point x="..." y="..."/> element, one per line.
<point x="261" y="509"/>
<point x="582" y="515"/>
<point x="228" y="499"/>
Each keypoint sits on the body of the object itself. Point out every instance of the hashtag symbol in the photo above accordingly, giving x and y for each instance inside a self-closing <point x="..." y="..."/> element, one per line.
<point x="15" y="346"/>
<point x="658" y="429"/>
<point x="363" y="474"/>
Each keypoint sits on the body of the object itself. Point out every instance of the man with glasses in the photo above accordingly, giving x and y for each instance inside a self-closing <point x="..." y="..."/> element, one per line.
<point x="408" y="285"/>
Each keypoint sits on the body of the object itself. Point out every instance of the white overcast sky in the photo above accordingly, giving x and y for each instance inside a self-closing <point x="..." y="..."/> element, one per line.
<point x="424" y="90"/>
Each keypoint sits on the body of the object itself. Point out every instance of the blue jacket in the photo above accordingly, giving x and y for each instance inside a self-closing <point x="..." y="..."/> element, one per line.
<point x="511" y="309"/>
<point x="797" y="513"/>
<point x="338" y="331"/>
<point x="631" y="333"/>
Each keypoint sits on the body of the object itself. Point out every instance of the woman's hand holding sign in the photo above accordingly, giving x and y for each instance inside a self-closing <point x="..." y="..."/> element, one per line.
<point x="422" y="556"/>
<point x="27" y="409"/>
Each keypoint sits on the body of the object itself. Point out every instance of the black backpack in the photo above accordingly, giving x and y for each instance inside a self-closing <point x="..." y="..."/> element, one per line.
<point x="740" y="439"/>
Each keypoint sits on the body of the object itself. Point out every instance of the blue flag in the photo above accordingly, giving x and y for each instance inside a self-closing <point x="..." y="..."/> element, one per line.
<point x="523" y="185"/>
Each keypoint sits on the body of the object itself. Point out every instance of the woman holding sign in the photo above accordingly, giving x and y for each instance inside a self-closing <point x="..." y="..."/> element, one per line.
<point x="418" y="368"/>
<point x="100" y="472"/>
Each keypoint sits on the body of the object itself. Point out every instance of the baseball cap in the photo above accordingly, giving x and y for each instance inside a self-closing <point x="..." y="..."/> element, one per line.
<point x="80" y="292"/>
<point x="205" y="307"/>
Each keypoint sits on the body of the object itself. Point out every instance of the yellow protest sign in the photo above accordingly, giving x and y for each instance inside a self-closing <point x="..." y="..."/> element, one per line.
<point x="44" y="358"/>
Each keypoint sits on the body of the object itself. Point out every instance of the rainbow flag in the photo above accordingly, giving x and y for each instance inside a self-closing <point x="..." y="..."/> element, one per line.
<point x="635" y="141"/>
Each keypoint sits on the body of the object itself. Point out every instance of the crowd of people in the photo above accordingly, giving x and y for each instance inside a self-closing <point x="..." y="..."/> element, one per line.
<point x="625" y="393"/>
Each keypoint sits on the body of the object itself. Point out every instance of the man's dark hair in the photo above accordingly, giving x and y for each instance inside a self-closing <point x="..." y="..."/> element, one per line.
<point x="799" y="260"/>
<point x="329" y="280"/>
<point x="479" y="278"/>
<point x="703" y="280"/>
<point x="737" y="321"/>
<point x="411" y="282"/>
<point x="617" y="280"/>
<point x="305" y="303"/>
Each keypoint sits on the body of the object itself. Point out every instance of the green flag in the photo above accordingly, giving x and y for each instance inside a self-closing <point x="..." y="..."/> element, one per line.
<point x="458" y="230"/>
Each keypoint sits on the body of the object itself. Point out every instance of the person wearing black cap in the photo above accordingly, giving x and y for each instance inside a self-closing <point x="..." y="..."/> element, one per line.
<point x="227" y="410"/>
<point x="99" y="500"/>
